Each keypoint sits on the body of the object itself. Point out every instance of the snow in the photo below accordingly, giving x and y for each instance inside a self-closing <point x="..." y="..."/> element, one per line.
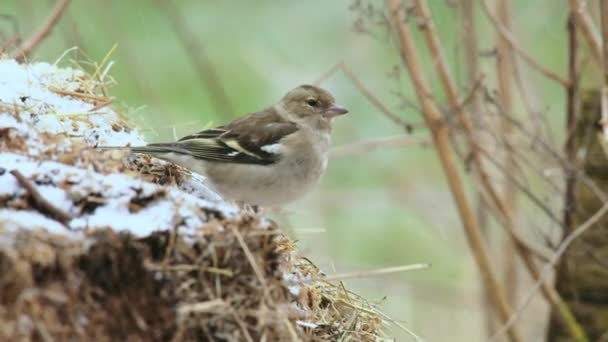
<point x="28" y="87"/>
<point x="118" y="201"/>
<point x="14" y="220"/>
<point x="294" y="280"/>
<point x="67" y="185"/>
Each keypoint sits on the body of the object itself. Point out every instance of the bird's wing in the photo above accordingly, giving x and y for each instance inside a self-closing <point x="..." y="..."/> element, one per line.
<point x="253" y="139"/>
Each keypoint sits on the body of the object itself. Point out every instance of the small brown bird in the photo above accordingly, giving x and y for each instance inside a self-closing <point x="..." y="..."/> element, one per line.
<point x="267" y="158"/>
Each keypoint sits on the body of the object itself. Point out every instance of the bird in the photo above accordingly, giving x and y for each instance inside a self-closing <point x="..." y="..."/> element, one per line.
<point x="267" y="158"/>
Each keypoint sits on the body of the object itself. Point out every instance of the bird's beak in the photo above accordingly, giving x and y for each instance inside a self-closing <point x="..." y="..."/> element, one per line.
<point x="335" y="110"/>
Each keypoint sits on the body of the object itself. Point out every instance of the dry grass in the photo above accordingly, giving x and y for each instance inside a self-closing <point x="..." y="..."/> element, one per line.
<point x="235" y="278"/>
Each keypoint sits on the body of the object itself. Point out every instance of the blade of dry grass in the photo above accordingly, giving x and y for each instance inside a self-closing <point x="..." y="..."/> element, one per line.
<point x="376" y="272"/>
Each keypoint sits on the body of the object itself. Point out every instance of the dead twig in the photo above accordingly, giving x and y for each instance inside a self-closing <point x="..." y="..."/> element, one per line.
<point x="505" y="69"/>
<point x="505" y="205"/>
<point x="604" y="99"/>
<point x="434" y="45"/>
<point x="585" y="23"/>
<point x="196" y="53"/>
<point x="374" y="144"/>
<point x="441" y="138"/>
<point x="547" y="269"/>
<point x="373" y="99"/>
<point x="26" y="48"/>
<point x="506" y="34"/>
<point x="40" y="201"/>
<point x="254" y="265"/>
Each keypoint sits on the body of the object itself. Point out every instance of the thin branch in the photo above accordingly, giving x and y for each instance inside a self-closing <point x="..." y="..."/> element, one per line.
<point x="374" y="144"/>
<point x="546" y="271"/>
<point x="505" y="69"/>
<point x="441" y="138"/>
<point x="572" y="115"/>
<point x="471" y="58"/>
<point x="505" y="205"/>
<point x="434" y="45"/>
<point x="373" y="99"/>
<point x="199" y="59"/>
<point x="42" y="203"/>
<point x="28" y="46"/>
<point x="515" y="46"/>
<point x="604" y="99"/>
<point x="327" y="74"/>
<point x="585" y="23"/>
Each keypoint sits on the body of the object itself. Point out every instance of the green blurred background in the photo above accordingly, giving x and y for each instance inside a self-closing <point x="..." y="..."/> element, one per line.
<point x="383" y="208"/>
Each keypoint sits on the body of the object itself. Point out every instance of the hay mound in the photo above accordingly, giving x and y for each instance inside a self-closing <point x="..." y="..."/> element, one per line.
<point x="105" y="246"/>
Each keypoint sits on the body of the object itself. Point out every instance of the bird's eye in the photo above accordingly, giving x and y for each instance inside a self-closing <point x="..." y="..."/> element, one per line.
<point x="312" y="102"/>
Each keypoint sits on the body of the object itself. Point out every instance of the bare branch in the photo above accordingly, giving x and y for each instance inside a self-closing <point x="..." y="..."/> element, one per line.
<point x="604" y="99"/>
<point x="373" y="144"/>
<point x="441" y="138"/>
<point x="40" y="201"/>
<point x="515" y="45"/>
<point x="199" y="59"/>
<point x="26" y="48"/>
<point x="373" y="99"/>
<point x="546" y="271"/>
<point x="584" y="21"/>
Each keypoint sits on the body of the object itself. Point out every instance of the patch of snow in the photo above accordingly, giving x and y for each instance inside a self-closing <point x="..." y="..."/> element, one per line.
<point x="125" y="203"/>
<point x="294" y="281"/>
<point x="14" y="220"/>
<point x="70" y="185"/>
<point x="10" y="121"/>
<point x="27" y="86"/>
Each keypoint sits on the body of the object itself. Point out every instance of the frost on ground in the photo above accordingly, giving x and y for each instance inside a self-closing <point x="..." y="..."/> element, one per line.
<point x="101" y="244"/>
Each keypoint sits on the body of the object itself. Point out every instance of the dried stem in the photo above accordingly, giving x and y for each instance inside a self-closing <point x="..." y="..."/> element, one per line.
<point x="547" y="269"/>
<point x="506" y="34"/>
<point x="505" y="86"/>
<point x="40" y="201"/>
<point x="523" y="249"/>
<point x="129" y="56"/>
<point x="373" y="99"/>
<point x="28" y="46"/>
<point x="471" y="56"/>
<point x="441" y="138"/>
<point x="572" y="116"/>
<point x="199" y="59"/>
<point x="433" y="42"/>
<point x="585" y="23"/>
<point x="254" y="265"/>
<point x="604" y="20"/>
<point x="373" y="144"/>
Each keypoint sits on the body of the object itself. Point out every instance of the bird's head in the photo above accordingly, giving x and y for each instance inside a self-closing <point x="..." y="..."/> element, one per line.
<point x="308" y="103"/>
